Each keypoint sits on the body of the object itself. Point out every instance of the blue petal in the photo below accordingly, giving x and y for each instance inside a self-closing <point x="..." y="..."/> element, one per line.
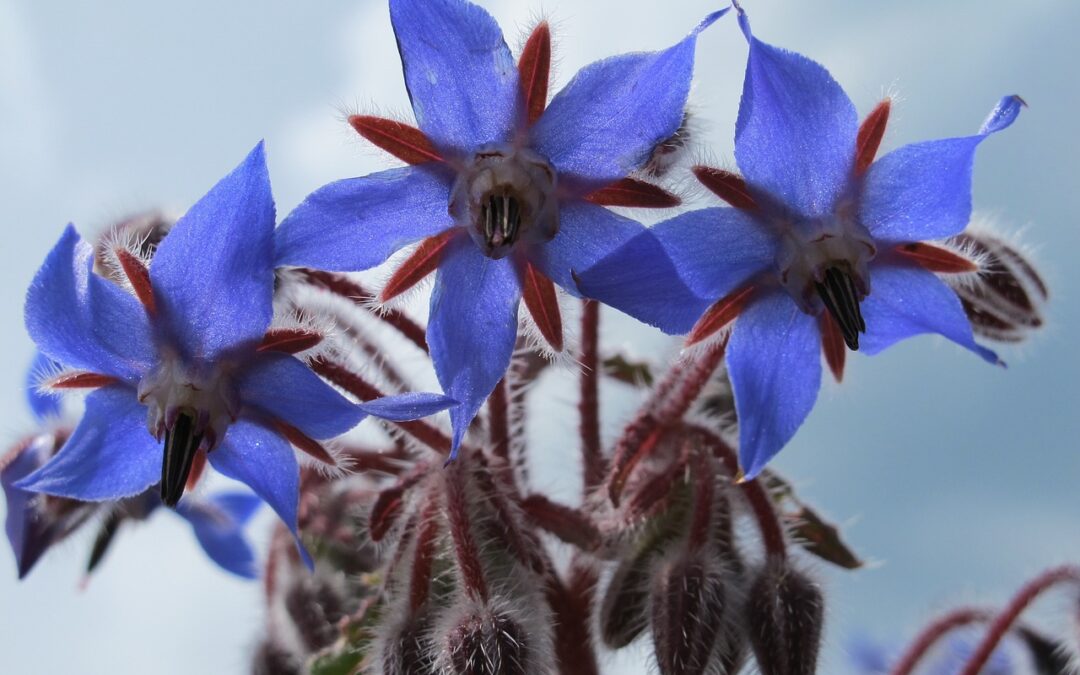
<point x="473" y="327"/>
<point x="906" y="301"/>
<point x="213" y="275"/>
<point x="29" y="534"/>
<point x="607" y="121"/>
<point x="621" y="264"/>
<point x="405" y="407"/>
<point x="358" y="223"/>
<point x="774" y="361"/>
<point x="220" y="533"/>
<point x="923" y="191"/>
<point x="43" y="404"/>
<point x="795" y="134"/>
<point x="462" y="80"/>
<point x="717" y="249"/>
<point x="283" y="387"/>
<point x="264" y="461"/>
<point x="110" y="455"/>
<point x="83" y="321"/>
<point x="240" y="506"/>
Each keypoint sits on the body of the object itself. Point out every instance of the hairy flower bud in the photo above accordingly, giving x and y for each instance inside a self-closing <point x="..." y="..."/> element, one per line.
<point x="487" y="643"/>
<point x="784" y="615"/>
<point x="1004" y="302"/>
<point x="407" y="650"/>
<point x="272" y="659"/>
<point x="691" y="631"/>
<point x="315" y="607"/>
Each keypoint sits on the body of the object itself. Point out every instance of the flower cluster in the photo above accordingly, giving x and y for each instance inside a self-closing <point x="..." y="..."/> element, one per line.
<point x="228" y="340"/>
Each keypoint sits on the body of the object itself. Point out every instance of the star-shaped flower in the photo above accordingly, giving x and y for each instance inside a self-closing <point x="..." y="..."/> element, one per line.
<point x="504" y="192"/>
<point x="823" y="245"/>
<point x="186" y="358"/>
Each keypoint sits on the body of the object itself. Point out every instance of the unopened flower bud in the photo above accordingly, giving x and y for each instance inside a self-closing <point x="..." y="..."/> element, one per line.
<point x="407" y="650"/>
<point x="487" y="644"/>
<point x="691" y="632"/>
<point x="1004" y="303"/>
<point x="272" y="659"/>
<point x="784" y="614"/>
<point x="315" y="607"/>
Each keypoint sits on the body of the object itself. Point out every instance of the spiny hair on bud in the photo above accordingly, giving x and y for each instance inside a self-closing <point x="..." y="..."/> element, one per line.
<point x="784" y="613"/>
<point x="694" y="626"/>
<point x="404" y="648"/>
<point x="505" y="636"/>
<point x="672" y="151"/>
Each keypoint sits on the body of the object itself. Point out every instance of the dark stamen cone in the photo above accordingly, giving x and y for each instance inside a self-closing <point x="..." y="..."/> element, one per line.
<point x="1049" y="656"/>
<point x="841" y="297"/>
<point x="784" y="614"/>
<point x="181" y="442"/>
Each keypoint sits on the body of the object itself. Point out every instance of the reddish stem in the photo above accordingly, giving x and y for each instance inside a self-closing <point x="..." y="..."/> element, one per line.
<point x="697" y="374"/>
<point x="932" y="634"/>
<point x="498" y="405"/>
<point x="772" y="532"/>
<point x="424" y="555"/>
<point x="572" y="605"/>
<point x="361" y="297"/>
<point x="457" y="514"/>
<point x="589" y="406"/>
<point x="358" y="387"/>
<point x="1005" y="620"/>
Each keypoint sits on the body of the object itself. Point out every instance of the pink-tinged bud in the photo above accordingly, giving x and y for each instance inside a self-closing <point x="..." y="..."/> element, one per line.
<point x="272" y="659"/>
<point x="691" y="630"/>
<point x="785" y="612"/>
<point x="315" y="607"/>
<point x="1004" y="302"/>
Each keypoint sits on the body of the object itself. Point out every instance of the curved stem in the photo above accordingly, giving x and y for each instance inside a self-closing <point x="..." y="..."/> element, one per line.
<point x="933" y="633"/>
<point x="772" y="532"/>
<point x="1020" y="602"/>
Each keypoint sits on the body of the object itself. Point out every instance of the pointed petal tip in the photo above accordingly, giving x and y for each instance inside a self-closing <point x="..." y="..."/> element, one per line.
<point x="744" y="20"/>
<point x="709" y="20"/>
<point x="1003" y="114"/>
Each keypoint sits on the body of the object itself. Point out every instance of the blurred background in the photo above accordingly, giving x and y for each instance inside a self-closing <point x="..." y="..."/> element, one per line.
<point x="955" y="479"/>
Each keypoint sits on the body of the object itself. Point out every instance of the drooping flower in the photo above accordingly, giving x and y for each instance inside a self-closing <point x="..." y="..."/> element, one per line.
<point x="217" y="521"/>
<point x="36" y="522"/>
<point x="504" y="193"/>
<point x="823" y="247"/>
<point x="185" y="357"/>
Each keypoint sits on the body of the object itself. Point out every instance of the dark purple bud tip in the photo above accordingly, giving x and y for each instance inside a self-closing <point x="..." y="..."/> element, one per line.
<point x="623" y="615"/>
<point x="272" y="659"/>
<point x="315" y="607"/>
<point x="785" y="612"/>
<point x="181" y="441"/>
<point x="691" y="634"/>
<point x="487" y="643"/>
<point x="408" y="650"/>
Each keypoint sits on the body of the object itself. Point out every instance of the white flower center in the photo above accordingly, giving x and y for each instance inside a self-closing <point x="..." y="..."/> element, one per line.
<point x="175" y="389"/>
<point x="505" y="194"/>
<point x="823" y="266"/>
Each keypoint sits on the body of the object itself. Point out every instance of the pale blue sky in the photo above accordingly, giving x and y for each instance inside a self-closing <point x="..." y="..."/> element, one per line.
<point x="959" y="478"/>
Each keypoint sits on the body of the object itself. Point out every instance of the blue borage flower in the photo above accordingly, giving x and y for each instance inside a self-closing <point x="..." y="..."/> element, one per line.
<point x="31" y="528"/>
<point x="499" y="186"/>
<point x="180" y="360"/>
<point x="822" y="246"/>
